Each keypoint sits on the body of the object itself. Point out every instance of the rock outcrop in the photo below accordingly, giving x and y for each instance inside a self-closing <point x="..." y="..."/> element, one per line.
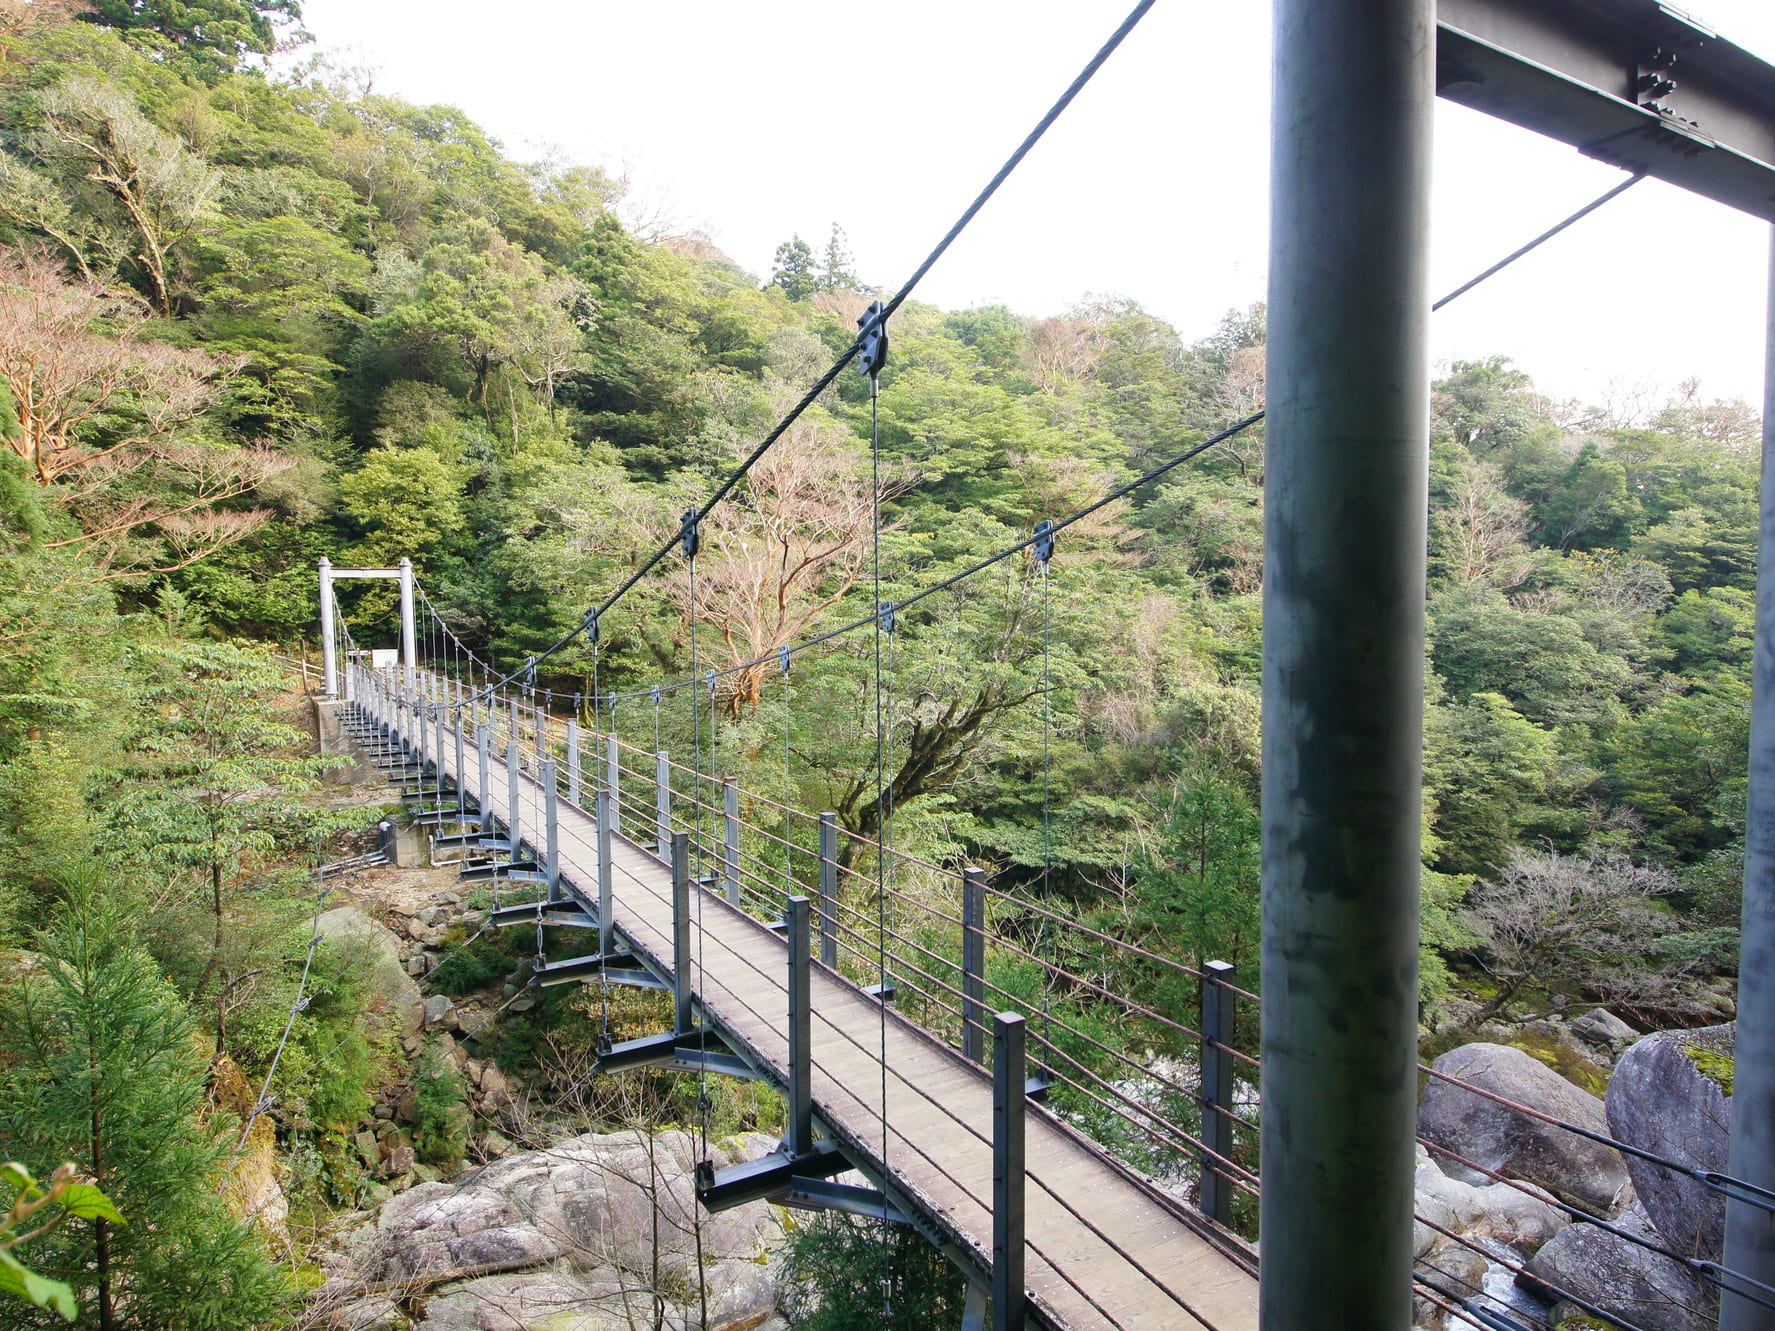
<point x="1651" y="1291"/>
<point x="1500" y="1211"/>
<point x="1457" y="1122"/>
<point x="587" y="1235"/>
<point x="396" y="994"/>
<point x="1671" y="1095"/>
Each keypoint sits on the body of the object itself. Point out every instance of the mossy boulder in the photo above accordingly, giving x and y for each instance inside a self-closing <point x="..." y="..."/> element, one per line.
<point x="1457" y="1122"/>
<point x="1671" y="1094"/>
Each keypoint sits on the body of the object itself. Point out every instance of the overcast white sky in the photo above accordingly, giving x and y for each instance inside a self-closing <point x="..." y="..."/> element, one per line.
<point x="755" y="119"/>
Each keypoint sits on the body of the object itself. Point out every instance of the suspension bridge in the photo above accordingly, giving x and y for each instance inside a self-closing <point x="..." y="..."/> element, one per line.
<point x="1076" y="1185"/>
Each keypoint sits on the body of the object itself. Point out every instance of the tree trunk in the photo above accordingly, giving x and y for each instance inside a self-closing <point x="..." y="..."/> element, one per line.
<point x="101" y="1227"/>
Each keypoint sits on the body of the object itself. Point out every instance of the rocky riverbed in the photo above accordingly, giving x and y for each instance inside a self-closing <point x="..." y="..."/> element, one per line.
<point x="601" y="1230"/>
<point x="1519" y="1213"/>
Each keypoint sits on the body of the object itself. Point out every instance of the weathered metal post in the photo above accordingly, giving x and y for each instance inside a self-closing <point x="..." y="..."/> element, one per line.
<point x="484" y="795"/>
<point x="438" y="753"/>
<point x="662" y="802"/>
<point x="1215" y="1195"/>
<point x="409" y="645"/>
<point x="681" y="985"/>
<point x="1345" y="485"/>
<point x="329" y="641"/>
<point x="551" y="796"/>
<point x="1009" y="1075"/>
<point x="829" y="888"/>
<point x="461" y="770"/>
<point x="613" y="782"/>
<point x="1750" y="1230"/>
<point x="573" y="783"/>
<point x="973" y="963"/>
<point x="606" y="929"/>
<point x="799" y="1136"/>
<point x="730" y="838"/>
<point x="513" y="815"/>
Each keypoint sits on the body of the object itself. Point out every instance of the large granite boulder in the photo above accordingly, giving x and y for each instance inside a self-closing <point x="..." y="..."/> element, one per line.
<point x="1457" y="1122"/>
<point x="398" y="1000"/>
<point x="579" y="1237"/>
<point x="1671" y="1095"/>
<point x="1521" y="1215"/>
<point x="1652" y="1292"/>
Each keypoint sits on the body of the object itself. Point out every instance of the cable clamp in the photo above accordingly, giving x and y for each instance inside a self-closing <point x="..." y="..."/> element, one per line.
<point x="691" y="531"/>
<point x="590" y="625"/>
<point x="529" y="672"/>
<point x="886" y="615"/>
<point x="872" y="341"/>
<point x="783" y="658"/>
<point x="709" y="679"/>
<point x="1044" y="540"/>
<point x="656" y="695"/>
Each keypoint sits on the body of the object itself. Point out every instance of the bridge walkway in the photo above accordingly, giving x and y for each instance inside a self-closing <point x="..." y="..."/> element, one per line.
<point x="1105" y="1249"/>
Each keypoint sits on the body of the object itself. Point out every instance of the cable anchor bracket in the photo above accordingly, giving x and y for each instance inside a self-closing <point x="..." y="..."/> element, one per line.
<point x="1044" y="540"/>
<point x="872" y="340"/>
<point x="691" y="532"/>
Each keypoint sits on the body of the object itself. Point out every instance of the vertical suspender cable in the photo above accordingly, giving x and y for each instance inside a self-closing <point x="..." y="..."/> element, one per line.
<point x="887" y="1251"/>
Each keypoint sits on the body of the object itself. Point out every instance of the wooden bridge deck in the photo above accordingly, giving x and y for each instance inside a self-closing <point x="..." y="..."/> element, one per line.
<point x="1103" y="1250"/>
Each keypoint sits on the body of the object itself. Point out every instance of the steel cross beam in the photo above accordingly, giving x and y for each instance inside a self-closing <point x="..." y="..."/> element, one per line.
<point x="1635" y="83"/>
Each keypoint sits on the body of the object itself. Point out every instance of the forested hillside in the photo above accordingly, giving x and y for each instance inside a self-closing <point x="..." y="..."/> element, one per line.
<point x="247" y="321"/>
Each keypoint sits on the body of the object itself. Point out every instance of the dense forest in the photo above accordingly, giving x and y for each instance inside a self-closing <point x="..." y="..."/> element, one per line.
<point x="249" y="320"/>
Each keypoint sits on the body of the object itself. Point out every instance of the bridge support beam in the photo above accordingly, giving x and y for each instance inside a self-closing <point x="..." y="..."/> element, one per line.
<point x="828" y="888"/>
<point x="1750" y="1230"/>
<point x="1215" y="1196"/>
<point x="973" y="964"/>
<point x="484" y="789"/>
<point x="461" y="769"/>
<point x="1345" y="487"/>
<point x="409" y="639"/>
<point x="551" y="855"/>
<point x="799" y="1139"/>
<point x="605" y="806"/>
<point x="573" y="776"/>
<point x="613" y="779"/>
<point x="514" y="820"/>
<point x="1009" y="1073"/>
<point x="682" y="988"/>
<point x="329" y="632"/>
<point x="730" y="839"/>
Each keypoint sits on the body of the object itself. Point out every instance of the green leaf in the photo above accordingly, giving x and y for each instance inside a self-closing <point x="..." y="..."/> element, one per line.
<point x="87" y="1202"/>
<point x="17" y="1175"/>
<point x="15" y="1278"/>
